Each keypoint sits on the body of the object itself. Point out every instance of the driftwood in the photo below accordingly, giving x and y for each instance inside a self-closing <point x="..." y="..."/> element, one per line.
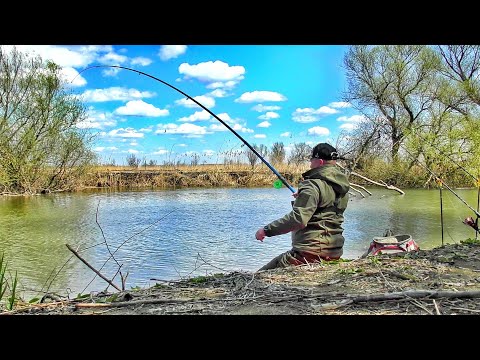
<point x="91" y="267"/>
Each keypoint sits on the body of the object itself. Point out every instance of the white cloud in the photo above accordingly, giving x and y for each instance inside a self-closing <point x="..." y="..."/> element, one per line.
<point x="112" y="58"/>
<point x="210" y="71"/>
<point x="97" y="120"/>
<point x="259" y="136"/>
<point x="141" y="61"/>
<point x="197" y="116"/>
<point x="125" y="133"/>
<point x="115" y="94"/>
<point x="352" y="119"/>
<point x="263" y="108"/>
<point x="64" y="56"/>
<point x="205" y="100"/>
<point x="340" y="104"/>
<point x="260" y="96"/>
<point x="71" y="77"/>
<point x="348" y="126"/>
<point x="285" y="134"/>
<point x="160" y="152"/>
<point x="218" y="93"/>
<point x="264" y="124"/>
<point x="140" y="108"/>
<point x="318" y="130"/>
<point x="184" y="129"/>
<point x="218" y="84"/>
<point x="269" y="115"/>
<point x="168" y="52"/>
<point x="352" y="122"/>
<point x="133" y="151"/>
<point x="103" y="148"/>
<point x="308" y="115"/>
<point x="304" y="118"/>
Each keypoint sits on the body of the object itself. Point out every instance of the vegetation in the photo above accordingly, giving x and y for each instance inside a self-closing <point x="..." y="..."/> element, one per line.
<point x="420" y="108"/>
<point x="7" y="284"/>
<point x="41" y="149"/>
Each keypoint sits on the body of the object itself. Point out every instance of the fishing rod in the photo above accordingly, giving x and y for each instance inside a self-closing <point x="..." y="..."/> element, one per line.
<point x="280" y="177"/>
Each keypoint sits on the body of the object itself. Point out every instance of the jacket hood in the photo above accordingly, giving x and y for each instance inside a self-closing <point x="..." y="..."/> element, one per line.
<point x="332" y="174"/>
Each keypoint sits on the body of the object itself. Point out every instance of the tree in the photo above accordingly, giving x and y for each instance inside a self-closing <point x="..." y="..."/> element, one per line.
<point x="277" y="154"/>
<point x="395" y="81"/>
<point x="41" y="148"/>
<point x="300" y="153"/>
<point x="252" y="157"/>
<point x="133" y="160"/>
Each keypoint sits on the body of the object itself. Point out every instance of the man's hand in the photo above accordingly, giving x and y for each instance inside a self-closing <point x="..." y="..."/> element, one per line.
<point x="260" y="234"/>
<point x="295" y="194"/>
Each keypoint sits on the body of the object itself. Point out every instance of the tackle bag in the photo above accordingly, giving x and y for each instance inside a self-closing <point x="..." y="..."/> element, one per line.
<point x="391" y="245"/>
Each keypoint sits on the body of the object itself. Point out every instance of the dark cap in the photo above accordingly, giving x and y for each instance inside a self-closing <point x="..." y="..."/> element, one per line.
<point x="324" y="151"/>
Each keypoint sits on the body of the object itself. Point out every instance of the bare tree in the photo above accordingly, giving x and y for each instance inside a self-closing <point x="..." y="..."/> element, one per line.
<point x="277" y="154"/>
<point x="252" y="157"/>
<point x="300" y="153"/>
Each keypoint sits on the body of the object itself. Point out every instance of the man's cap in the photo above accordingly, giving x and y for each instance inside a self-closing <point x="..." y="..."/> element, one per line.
<point x="324" y="151"/>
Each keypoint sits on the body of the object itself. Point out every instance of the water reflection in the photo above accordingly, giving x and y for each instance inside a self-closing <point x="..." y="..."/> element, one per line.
<point x="165" y="234"/>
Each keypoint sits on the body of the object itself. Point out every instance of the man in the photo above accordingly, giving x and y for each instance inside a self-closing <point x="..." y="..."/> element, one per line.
<point x="317" y="215"/>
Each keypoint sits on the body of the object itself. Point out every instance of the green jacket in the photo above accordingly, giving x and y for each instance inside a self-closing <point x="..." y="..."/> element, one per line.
<point x="315" y="225"/>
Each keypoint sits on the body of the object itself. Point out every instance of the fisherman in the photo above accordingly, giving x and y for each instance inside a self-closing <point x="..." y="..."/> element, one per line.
<point x="317" y="215"/>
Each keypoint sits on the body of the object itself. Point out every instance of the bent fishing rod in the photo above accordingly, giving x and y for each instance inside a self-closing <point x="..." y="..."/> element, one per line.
<point x="281" y="178"/>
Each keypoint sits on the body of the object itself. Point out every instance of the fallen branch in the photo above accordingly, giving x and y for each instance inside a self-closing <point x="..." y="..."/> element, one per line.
<point x="157" y="301"/>
<point x="416" y="294"/>
<point x="358" y="191"/>
<point x="91" y="267"/>
<point x="390" y="187"/>
<point x="361" y="187"/>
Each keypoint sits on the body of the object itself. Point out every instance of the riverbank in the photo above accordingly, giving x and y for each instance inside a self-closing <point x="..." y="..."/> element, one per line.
<point x="440" y="281"/>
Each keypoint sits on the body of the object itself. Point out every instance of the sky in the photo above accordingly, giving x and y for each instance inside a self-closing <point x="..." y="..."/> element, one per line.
<point x="266" y="93"/>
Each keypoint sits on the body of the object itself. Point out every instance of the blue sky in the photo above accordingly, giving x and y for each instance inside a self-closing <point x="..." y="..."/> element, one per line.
<point x="267" y="93"/>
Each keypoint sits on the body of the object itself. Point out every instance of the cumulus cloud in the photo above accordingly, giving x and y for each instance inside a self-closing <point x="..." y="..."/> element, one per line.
<point x="125" y="133"/>
<point x="212" y="71"/>
<point x="318" y="130"/>
<point x="97" y="120"/>
<point x="259" y="136"/>
<point x="260" y="96"/>
<point x="168" y="52"/>
<point x="72" y="77"/>
<point x="115" y="94"/>
<point x="352" y="122"/>
<point x="340" y="104"/>
<point x="140" y="108"/>
<point x="285" y="134"/>
<point x="264" y="124"/>
<point x="141" y="61"/>
<point x="197" y="116"/>
<point x="263" y="108"/>
<point x="183" y="129"/>
<point x="269" y="115"/>
<point x="207" y="101"/>
<point x="308" y="115"/>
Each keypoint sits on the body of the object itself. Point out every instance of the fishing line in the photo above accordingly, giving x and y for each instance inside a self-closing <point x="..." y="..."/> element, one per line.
<point x="284" y="181"/>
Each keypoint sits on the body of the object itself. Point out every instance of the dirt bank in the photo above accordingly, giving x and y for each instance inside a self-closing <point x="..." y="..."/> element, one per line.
<point x="444" y="280"/>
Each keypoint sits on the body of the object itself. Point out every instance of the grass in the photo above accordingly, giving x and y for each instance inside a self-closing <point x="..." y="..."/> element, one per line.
<point x="6" y="284"/>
